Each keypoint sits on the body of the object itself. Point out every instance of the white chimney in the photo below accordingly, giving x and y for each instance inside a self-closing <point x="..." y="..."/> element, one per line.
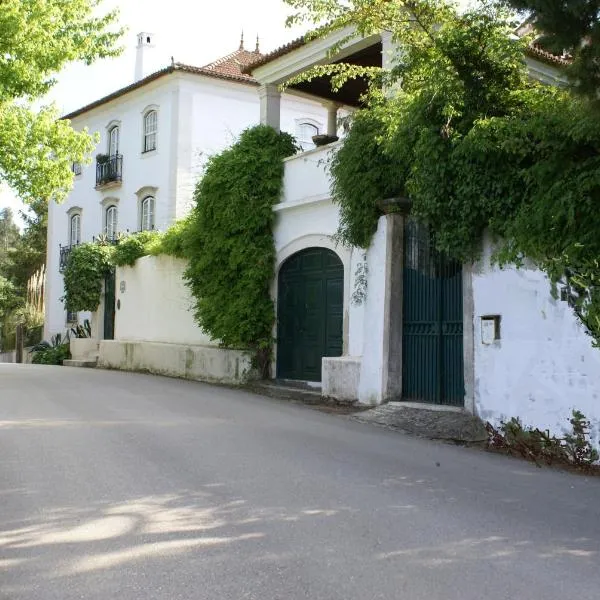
<point x="145" y="59"/>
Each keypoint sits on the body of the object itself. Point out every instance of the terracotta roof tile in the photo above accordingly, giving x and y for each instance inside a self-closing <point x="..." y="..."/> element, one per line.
<point x="540" y="54"/>
<point x="234" y="64"/>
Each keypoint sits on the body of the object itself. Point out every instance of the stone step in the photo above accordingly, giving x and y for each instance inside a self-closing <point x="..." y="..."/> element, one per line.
<point x="88" y="364"/>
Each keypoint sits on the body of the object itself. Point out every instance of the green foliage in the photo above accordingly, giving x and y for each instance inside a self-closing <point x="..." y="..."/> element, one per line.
<point x="87" y="266"/>
<point x="134" y="246"/>
<point x="537" y="445"/>
<point x="357" y="186"/>
<point x="8" y="299"/>
<point x="172" y="241"/>
<point x="477" y="146"/>
<point x="37" y="39"/>
<point x="574" y="27"/>
<point x="53" y="352"/>
<point x="578" y="447"/>
<point x="229" y="241"/>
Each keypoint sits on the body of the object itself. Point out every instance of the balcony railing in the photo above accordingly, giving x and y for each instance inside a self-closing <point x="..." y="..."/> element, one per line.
<point x="109" y="169"/>
<point x="64" y="255"/>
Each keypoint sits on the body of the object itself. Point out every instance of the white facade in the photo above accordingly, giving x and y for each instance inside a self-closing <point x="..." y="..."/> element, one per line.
<point x="543" y="366"/>
<point x="156" y="284"/>
<point x="196" y="115"/>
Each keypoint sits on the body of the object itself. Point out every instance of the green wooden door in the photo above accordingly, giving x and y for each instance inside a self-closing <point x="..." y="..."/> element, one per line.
<point x="310" y="313"/>
<point x="432" y="356"/>
<point x="109" y="305"/>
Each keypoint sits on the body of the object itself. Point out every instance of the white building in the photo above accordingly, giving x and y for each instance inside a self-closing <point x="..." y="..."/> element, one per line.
<point x="492" y="342"/>
<point x="154" y="137"/>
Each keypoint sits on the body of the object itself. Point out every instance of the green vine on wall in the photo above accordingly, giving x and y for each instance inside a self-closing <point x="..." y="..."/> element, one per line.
<point x="228" y="241"/>
<point x="87" y="266"/>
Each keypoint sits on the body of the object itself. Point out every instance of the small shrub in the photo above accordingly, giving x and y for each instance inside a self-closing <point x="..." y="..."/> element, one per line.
<point x="53" y="352"/>
<point x="134" y="246"/>
<point x="87" y="266"/>
<point x="173" y="240"/>
<point x="537" y="445"/>
<point x="577" y="445"/>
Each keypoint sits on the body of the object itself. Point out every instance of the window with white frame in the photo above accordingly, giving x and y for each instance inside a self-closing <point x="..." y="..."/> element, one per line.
<point x="76" y="168"/>
<point x="72" y="317"/>
<point x="150" y="129"/>
<point x="305" y="132"/>
<point x="147" y="213"/>
<point x="113" y="141"/>
<point x="110" y="228"/>
<point x="75" y="229"/>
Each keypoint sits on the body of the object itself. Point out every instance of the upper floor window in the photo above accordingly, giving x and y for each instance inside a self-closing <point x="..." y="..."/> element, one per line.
<point x="110" y="227"/>
<point x="113" y="141"/>
<point x="150" y="128"/>
<point x="147" y="216"/>
<point x="76" y="168"/>
<point x="306" y="130"/>
<point x="75" y="229"/>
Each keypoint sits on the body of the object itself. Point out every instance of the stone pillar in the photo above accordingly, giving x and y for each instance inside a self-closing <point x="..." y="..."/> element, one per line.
<point x="270" y="106"/>
<point x="381" y="367"/>
<point x="389" y="54"/>
<point x="332" y="113"/>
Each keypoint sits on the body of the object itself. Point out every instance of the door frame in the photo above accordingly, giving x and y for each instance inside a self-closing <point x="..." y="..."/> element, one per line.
<point x="295" y="246"/>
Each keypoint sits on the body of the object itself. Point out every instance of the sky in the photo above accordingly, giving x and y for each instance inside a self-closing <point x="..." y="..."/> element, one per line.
<point x="192" y="32"/>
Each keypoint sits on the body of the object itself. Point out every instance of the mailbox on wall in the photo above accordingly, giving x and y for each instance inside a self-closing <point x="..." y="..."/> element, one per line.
<point x="490" y="329"/>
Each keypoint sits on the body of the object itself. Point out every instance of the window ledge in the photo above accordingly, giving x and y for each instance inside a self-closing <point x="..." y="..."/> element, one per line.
<point x="149" y="153"/>
<point x="108" y="185"/>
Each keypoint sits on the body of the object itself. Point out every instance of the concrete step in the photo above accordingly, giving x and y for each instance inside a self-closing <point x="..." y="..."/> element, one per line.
<point x="277" y="389"/>
<point x="88" y="364"/>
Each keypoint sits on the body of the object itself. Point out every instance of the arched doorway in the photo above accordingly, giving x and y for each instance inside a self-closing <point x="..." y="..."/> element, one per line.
<point x="310" y="313"/>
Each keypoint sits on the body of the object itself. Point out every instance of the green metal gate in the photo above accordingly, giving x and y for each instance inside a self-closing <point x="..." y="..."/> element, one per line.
<point x="109" y="305"/>
<point x="310" y="313"/>
<point x="432" y="354"/>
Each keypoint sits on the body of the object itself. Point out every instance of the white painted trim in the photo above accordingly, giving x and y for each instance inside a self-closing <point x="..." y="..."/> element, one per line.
<point x="315" y="52"/>
<point x="313" y="151"/>
<point x="303" y="202"/>
<point x="106" y="202"/>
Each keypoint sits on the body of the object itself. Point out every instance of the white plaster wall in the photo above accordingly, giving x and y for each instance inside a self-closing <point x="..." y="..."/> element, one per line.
<point x="370" y="390"/>
<point x="306" y="176"/>
<point x="197" y="116"/>
<point x="139" y="170"/>
<point x="201" y="363"/>
<point x="544" y="365"/>
<point x="156" y="305"/>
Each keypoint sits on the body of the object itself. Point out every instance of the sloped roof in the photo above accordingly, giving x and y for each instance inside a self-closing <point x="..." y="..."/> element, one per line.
<point x="534" y="50"/>
<point x="233" y="64"/>
<point x="266" y="58"/>
<point x="228" y="68"/>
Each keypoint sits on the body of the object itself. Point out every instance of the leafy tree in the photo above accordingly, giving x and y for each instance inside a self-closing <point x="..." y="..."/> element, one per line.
<point x="37" y="39"/>
<point x="9" y="235"/>
<point x="476" y="145"/>
<point x="8" y="298"/>
<point x="572" y="26"/>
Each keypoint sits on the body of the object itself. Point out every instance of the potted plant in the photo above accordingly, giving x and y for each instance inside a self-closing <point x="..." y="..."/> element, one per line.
<point x="322" y="139"/>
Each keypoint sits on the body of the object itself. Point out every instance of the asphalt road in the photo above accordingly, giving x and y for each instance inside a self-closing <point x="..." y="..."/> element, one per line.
<point x="125" y="486"/>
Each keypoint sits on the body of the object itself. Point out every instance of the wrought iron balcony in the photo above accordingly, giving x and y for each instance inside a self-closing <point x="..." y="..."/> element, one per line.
<point x="109" y="169"/>
<point x="64" y="256"/>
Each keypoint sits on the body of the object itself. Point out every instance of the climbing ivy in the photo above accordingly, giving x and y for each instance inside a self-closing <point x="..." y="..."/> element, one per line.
<point x="134" y="246"/>
<point x="86" y="268"/>
<point x="228" y="241"/>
